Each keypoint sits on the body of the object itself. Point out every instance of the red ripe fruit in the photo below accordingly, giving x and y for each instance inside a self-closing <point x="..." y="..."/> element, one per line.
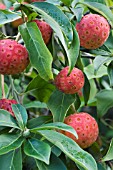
<point x="2" y="6"/>
<point x="45" y="30"/>
<point x="85" y="126"/>
<point x="71" y="83"/>
<point x="13" y="57"/>
<point x="93" y="31"/>
<point x="6" y="105"/>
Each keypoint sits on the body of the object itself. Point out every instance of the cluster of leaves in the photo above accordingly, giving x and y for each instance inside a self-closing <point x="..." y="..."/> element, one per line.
<point x="32" y="140"/>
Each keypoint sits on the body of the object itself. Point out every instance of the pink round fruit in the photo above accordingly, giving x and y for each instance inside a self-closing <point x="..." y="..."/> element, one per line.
<point x="71" y="83"/>
<point x="85" y="126"/>
<point x="45" y="30"/>
<point x="13" y="57"/>
<point x="6" y="105"/>
<point x="93" y="31"/>
<point x="2" y="6"/>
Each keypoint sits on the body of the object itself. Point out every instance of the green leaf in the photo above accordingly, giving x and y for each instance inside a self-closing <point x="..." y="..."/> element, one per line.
<point x="59" y="103"/>
<point x="40" y="57"/>
<point x="6" y="157"/>
<point x="33" y="123"/>
<point x="70" y="148"/>
<point x="56" y="125"/>
<point x="109" y="155"/>
<point x="55" y="18"/>
<point x="65" y="31"/>
<point x="77" y="102"/>
<point x="67" y="2"/>
<point x="38" y="150"/>
<point x="20" y="114"/>
<point x="17" y="160"/>
<point x="86" y="90"/>
<point x="6" y="119"/>
<point x="35" y="104"/>
<point x="78" y="12"/>
<point x="55" y="164"/>
<point x="11" y="161"/>
<point x="7" y="16"/>
<point x="10" y="142"/>
<point x="40" y="89"/>
<point x="101" y="9"/>
<point x="104" y="101"/>
<point x="89" y="71"/>
<point x="73" y="51"/>
<point x="110" y="73"/>
<point x="99" y="61"/>
<point x="99" y="1"/>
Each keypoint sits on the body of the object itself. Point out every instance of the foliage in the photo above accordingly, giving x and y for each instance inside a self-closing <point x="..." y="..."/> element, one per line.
<point x="32" y="139"/>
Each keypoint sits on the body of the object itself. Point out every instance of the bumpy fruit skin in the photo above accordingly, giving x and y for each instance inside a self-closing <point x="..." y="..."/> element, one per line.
<point x="13" y="57"/>
<point x="45" y="30"/>
<point x="6" y="105"/>
<point x="85" y="126"/>
<point x="93" y="31"/>
<point x="71" y="83"/>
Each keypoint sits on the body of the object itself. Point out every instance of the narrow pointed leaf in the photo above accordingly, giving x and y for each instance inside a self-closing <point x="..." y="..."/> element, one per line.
<point x="10" y="142"/>
<point x="55" y="164"/>
<point x="100" y="8"/>
<point x="7" y="120"/>
<point x="59" y="103"/>
<point x="70" y="148"/>
<point x="86" y="90"/>
<point x="38" y="150"/>
<point x="56" y="125"/>
<point x="109" y="155"/>
<point x="20" y="114"/>
<point x="73" y="51"/>
<point x="110" y="73"/>
<point x="40" y="57"/>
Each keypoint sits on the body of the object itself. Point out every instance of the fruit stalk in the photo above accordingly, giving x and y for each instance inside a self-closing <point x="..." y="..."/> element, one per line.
<point x="2" y="85"/>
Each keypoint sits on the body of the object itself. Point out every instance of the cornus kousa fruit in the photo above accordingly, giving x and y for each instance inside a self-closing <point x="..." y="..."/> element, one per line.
<point x="85" y="126"/>
<point x="45" y="30"/>
<point x="71" y="83"/>
<point x="13" y="57"/>
<point x="93" y="31"/>
<point x="6" y="105"/>
<point x="2" y="6"/>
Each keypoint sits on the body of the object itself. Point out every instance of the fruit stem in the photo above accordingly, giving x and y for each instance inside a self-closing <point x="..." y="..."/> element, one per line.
<point x="18" y="36"/>
<point x="13" y="89"/>
<point x="2" y="84"/>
